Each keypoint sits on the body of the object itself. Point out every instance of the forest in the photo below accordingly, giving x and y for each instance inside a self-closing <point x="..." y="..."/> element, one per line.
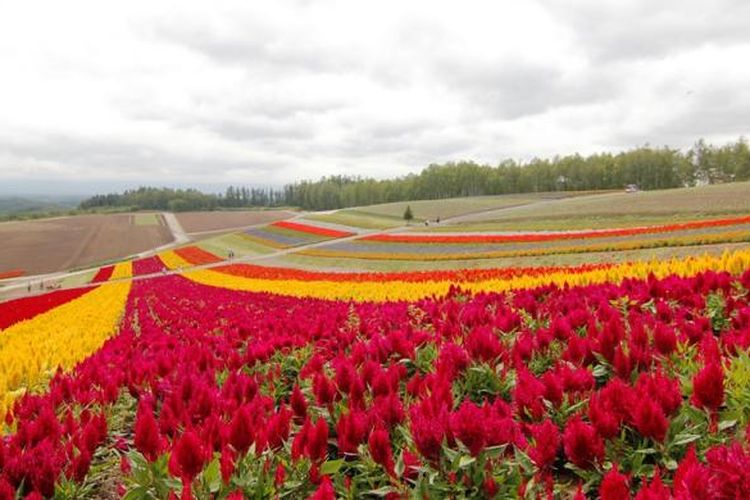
<point x="647" y="167"/>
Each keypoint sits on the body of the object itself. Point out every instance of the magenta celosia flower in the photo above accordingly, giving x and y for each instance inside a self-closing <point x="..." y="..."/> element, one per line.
<point x="325" y="491"/>
<point x="317" y="442"/>
<point x="547" y="441"/>
<point x="655" y="490"/>
<point x="351" y="431"/>
<point x="614" y="486"/>
<point x="298" y="402"/>
<point x="226" y="464"/>
<point x="692" y="478"/>
<point x="428" y="428"/>
<point x="729" y="467"/>
<point x="583" y="446"/>
<point x="379" y="444"/>
<point x="241" y="430"/>
<point x="708" y="387"/>
<point x="468" y="427"/>
<point x="189" y="456"/>
<point x="649" y="419"/>
<point x="147" y="439"/>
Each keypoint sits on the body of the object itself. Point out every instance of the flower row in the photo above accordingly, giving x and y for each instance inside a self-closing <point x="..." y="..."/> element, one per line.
<point x="373" y="288"/>
<point x="528" y="237"/>
<point x="600" y="390"/>
<point x="63" y="336"/>
<point x="384" y="251"/>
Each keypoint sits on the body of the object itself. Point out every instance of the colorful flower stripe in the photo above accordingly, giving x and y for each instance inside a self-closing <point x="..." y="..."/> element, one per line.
<point x="147" y="265"/>
<point x="456" y="276"/>
<point x="675" y="241"/>
<point x="197" y="256"/>
<point x="62" y="337"/>
<point x="122" y="270"/>
<point x="528" y="237"/>
<point x="16" y="273"/>
<point x="173" y="260"/>
<point x="104" y="274"/>
<point x="316" y="230"/>
<point x="376" y="291"/>
<point x="15" y="311"/>
<point x="533" y="394"/>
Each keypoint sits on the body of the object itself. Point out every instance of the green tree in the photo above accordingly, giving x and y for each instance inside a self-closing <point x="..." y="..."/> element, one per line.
<point x="408" y="215"/>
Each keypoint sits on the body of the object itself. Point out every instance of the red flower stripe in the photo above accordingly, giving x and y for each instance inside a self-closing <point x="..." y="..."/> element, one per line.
<point x="530" y="237"/>
<point x="15" y="273"/>
<point x="13" y="311"/>
<point x="306" y="228"/>
<point x="104" y="274"/>
<point x="461" y="275"/>
<point x="147" y="265"/>
<point x="197" y="256"/>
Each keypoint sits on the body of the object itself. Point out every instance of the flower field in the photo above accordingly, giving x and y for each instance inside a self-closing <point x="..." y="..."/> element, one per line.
<point x="238" y="380"/>
<point x="288" y="234"/>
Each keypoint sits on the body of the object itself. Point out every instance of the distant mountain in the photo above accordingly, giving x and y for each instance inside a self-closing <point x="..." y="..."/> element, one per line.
<point x="17" y="204"/>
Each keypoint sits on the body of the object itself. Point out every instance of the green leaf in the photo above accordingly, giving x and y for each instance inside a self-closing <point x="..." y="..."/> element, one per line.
<point x="726" y="424"/>
<point x="212" y="476"/>
<point x="382" y="491"/>
<point x="466" y="461"/>
<point x="331" y="467"/>
<point x="683" y="439"/>
<point x="136" y="493"/>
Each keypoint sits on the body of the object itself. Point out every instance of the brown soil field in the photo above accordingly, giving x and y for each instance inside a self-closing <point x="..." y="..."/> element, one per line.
<point x="200" y="222"/>
<point x="50" y="245"/>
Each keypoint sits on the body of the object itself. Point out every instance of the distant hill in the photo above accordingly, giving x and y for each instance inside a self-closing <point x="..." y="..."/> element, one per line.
<point x="13" y="205"/>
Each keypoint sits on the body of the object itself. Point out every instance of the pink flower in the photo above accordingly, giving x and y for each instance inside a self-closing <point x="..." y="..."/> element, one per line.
<point x="189" y="456"/>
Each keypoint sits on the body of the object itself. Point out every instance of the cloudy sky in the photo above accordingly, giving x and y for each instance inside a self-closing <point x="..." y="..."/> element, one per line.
<point x="159" y="92"/>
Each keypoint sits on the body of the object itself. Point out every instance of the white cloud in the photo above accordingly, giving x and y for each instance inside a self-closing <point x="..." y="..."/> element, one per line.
<point x="268" y="92"/>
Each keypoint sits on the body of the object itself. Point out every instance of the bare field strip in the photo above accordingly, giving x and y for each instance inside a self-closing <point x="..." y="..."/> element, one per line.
<point x="50" y="245"/>
<point x="199" y="222"/>
<point x="616" y="210"/>
<point x="455" y="207"/>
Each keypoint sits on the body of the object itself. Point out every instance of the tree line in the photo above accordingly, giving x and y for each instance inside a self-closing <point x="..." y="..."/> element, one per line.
<point x="647" y="167"/>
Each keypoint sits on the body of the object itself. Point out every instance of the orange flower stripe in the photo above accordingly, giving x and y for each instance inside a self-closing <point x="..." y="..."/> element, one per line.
<point x="197" y="256"/>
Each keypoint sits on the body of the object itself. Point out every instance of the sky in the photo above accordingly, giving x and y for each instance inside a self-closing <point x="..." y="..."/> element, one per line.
<point x="103" y="95"/>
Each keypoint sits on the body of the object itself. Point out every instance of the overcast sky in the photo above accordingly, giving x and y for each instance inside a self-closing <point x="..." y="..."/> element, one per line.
<point x="158" y="92"/>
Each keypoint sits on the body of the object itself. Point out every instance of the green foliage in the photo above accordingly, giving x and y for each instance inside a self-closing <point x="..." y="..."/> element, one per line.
<point x="408" y="215"/>
<point x="649" y="168"/>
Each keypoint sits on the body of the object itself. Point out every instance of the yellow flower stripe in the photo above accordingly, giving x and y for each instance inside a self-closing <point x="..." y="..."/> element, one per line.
<point x="702" y="239"/>
<point x="31" y="351"/>
<point x="734" y="262"/>
<point x="122" y="270"/>
<point x="174" y="261"/>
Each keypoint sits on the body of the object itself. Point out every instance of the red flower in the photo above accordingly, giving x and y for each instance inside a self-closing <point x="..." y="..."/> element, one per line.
<point x="380" y="449"/>
<point x="583" y="446"/>
<point x="428" y="427"/>
<point x="649" y="419"/>
<point x="665" y="339"/>
<point x="729" y="467"/>
<point x="468" y="425"/>
<point x="325" y="491"/>
<point x="241" y="434"/>
<point x="317" y="443"/>
<point x="546" y="443"/>
<point x="653" y="491"/>
<point x="614" y="486"/>
<point x="188" y="456"/>
<point x="298" y="402"/>
<point x="708" y="387"/>
<point x="691" y="479"/>
<point x="226" y="463"/>
<point x="147" y="439"/>
<point x="279" y="476"/>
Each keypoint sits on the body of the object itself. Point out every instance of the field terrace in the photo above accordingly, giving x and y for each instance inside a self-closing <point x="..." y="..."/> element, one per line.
<point x="229" y="379"/>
